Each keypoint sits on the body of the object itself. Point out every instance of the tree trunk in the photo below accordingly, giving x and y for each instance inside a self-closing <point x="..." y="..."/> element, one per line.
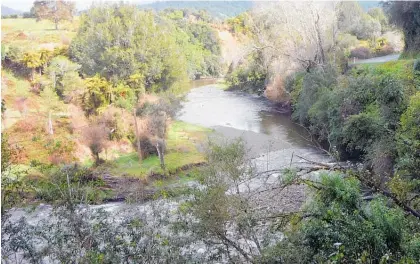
<point x="50" y="126"/>
<point x="136" y="129"/>
<point x="320" y="45"/>
<point x="33" y="74"/>
<point x="97" y="159"/>
<point x="160" y="151"/>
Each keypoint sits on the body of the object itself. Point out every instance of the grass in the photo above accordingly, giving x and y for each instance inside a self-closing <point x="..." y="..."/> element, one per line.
<point x="182" y="150"/>
<point x="28" y="34"/>
<point x="221" y="84"/>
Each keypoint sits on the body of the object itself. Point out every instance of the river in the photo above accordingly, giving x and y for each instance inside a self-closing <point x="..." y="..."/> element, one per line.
<point x="267" y="132"/>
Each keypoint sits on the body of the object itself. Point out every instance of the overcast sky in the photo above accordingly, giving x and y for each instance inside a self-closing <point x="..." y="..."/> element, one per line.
<point x="25" y="5"/>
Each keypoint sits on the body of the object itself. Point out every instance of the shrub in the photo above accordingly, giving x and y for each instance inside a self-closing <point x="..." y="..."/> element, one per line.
<point x="27" y="126"/>
<point x="96" y="138"/>
<point x="112" y="120"/>
<point x="70" y="183"/>
<point x="408" y="139"/>
<point x="147" y="147"/>
<point x="338" y="226"/>
<point x="360" y="53"/>
<point x="385" y="50"/>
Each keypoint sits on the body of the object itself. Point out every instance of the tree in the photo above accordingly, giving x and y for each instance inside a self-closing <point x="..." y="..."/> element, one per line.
<point x="158" y="115"/>
<point x="120" y="42"/>
<point x="406" y="15"/>
<point x="97" y="96"/>
<point x="158" y="127"/>
<point x="54" y="10"/>
<point x="64" y="76"/>
<point x="96" y="136"/>
<point x="32" y="60"/>
<point x="378" y="14"/>
<point x="51" y="101"/>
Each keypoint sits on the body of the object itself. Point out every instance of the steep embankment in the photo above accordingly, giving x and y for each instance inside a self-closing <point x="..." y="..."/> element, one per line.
<point x="230" y="46"/>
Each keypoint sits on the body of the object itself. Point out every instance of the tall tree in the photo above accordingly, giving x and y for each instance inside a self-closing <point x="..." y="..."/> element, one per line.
<point x="121" y="42"/>
<point x="54" y="10"/>
<point x="406" y="15"/>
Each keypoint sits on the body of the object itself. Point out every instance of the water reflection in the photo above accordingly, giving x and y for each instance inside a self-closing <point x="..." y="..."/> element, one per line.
<point x="239" y="114"/>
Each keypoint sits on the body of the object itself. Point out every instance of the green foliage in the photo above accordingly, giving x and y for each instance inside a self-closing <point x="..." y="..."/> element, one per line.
<point x="32" y="60"/>
<point x="352" y="19"/>
<point x="198" y="40"/>
<point x="50" y="99"/>
<point x="120" y="42"/>
<point x="362" y="129"/>
<point x="378" y="14"/>
<point x="97" y="96"/>
<point x="314" y="85"/>
<point x="249" y="77"/>
<point x="240" y="24"/>
<point x="354" y="113"/>
<point x="339" y="226"/>
<point x="70" y="183"/>
<point x="64" y="76"/>
<point x="12" y="185"/>
<point x="12" y="53"/>
<point x="408" y="138"/>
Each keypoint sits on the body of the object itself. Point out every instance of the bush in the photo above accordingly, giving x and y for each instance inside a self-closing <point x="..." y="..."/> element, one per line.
<point x="247" y="79"/>
<point x="360" y="53"/>
<point x="96" y="136"/>
<point x="69" y="183"/>
<point x="338" y="226"/>
<point x="408" y="139"/>
<point x="385" y="50"/>
<point x="113" y="122"/>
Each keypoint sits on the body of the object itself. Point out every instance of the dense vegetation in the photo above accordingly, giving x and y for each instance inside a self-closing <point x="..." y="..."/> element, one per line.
<point x="117" y="91"/>
<point x="364" y="113"/>
<point x="406" y="15"/>
<point x="342" y="32"/>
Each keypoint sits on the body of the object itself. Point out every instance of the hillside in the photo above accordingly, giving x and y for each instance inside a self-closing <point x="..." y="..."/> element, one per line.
<point x="218" y="9"/>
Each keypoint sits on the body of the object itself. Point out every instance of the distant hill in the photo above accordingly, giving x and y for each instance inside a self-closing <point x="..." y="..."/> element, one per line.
<point x="7" y="11"/>
<point x="219" y="9"/>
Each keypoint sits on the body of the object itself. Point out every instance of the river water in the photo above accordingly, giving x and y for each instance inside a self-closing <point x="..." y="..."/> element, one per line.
<point x="267" y="132"/>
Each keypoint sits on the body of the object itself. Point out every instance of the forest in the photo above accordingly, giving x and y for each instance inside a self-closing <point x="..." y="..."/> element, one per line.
<point x="193" y="132"/>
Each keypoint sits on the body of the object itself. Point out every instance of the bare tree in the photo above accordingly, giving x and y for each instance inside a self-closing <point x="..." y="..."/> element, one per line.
<point x="294" y="34"/>
<point x="55" y="11"/>
<point x="157" y="128"/>
<point x="96" y="137"/>
<point x="136" y="130"/>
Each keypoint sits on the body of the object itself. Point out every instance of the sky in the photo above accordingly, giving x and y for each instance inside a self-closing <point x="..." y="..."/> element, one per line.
<point x="25" y="5"/>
